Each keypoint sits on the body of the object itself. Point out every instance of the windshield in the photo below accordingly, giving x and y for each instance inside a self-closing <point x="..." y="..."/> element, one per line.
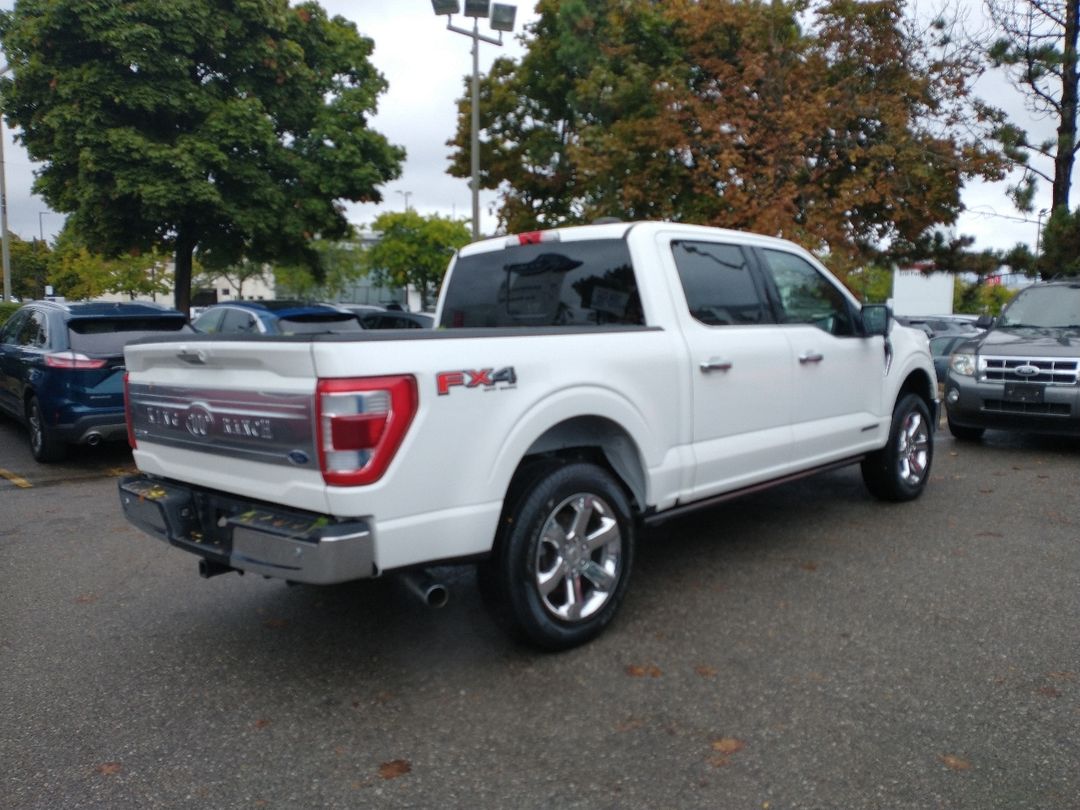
<point x="1044" y="307"/>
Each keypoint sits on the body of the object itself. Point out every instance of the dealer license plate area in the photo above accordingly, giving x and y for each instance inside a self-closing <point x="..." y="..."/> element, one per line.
<point x="1024" y="392"/>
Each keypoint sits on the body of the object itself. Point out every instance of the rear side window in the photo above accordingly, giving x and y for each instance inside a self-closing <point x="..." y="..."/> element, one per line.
<point x="110" y="335"/>
<point x="587" y="283"/>
<point x="718" y="284"/>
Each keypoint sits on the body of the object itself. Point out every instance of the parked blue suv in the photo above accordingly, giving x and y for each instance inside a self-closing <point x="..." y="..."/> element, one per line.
<point x="62" y="368"/>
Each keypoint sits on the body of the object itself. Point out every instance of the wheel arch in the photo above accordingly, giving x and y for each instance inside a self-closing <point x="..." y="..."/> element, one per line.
<point x="920" y="383"/>
<point x="596" y="439"/>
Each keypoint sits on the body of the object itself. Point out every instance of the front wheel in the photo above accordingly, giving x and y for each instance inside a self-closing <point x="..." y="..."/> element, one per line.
<point x="900" y="469"/>
<point x="563" y="555"/>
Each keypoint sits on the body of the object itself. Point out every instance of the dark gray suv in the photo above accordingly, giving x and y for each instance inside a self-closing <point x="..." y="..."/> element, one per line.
<point x="1024" y="372"/>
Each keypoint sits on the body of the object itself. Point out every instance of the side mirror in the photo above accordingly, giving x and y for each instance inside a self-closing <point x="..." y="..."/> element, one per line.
<point x="875" y="319"/>
<point x="984" y="321"/>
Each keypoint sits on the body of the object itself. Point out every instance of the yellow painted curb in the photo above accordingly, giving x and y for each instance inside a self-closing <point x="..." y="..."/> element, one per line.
<point x="17" y="480"/>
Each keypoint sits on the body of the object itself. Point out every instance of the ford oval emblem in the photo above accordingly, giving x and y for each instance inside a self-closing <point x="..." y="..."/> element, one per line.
<point x="199" y="420"/>
<point x="1026" y="370"/>
<point x="298" y="457"/>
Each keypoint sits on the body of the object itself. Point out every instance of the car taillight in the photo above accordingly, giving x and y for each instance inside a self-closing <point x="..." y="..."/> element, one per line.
<point x="361" y="423"/>
<point x="128" y="415"/>
<point x="72" y="360"/>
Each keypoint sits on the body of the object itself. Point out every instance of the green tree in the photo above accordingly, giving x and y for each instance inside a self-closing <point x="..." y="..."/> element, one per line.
<point x="75" y="272"/>
<point x="1060" y="253"/>
<point x="29" y="267"/>
<point x="1036" y="42"/>
<point x="414" y="250"/>
<point x="232" y="129"/>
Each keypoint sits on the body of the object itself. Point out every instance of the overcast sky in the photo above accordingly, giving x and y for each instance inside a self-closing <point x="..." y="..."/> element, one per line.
<point x="425" y="65"/>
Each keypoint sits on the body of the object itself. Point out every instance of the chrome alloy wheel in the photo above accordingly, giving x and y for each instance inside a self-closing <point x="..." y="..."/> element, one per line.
<point x="578" y="557"/>
<point x="913" y="449"/>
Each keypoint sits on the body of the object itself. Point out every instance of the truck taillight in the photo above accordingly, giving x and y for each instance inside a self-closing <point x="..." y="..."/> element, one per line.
<point x="361" y="423"/>
<point x="128" y="414"/>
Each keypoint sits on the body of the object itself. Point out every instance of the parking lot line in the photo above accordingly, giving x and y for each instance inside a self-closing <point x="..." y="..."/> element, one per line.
<point x="17" y="480"/>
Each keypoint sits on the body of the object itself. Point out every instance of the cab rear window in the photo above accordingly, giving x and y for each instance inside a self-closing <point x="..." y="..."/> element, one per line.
<point x="586" y="283"/>
<point x="98" y="336"/>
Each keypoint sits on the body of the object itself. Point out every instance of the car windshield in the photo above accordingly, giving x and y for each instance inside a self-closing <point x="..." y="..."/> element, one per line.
<point x="1044" y="307"/>
<point x="105" y="336"/>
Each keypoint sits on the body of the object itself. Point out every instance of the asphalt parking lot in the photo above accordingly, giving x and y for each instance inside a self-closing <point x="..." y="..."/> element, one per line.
<point x="807" y="647"/>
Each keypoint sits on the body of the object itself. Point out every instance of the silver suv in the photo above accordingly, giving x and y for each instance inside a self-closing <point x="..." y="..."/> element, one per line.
<point x="1024" y="372"/>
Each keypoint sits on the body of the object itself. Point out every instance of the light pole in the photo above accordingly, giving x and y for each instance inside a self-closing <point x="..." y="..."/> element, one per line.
<point x="6" y="250"/>
<point x="502" y="19"/>
<point x="406" y="195"/>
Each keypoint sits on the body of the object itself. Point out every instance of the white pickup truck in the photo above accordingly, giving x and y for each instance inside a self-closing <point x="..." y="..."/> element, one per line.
<point x="582" y="383"/>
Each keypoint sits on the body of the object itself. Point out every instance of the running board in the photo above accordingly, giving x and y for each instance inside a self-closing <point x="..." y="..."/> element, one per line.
<point x="656" y="518"/>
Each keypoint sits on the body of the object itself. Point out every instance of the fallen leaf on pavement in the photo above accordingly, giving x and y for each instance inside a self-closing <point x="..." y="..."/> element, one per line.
<point x="635" y="671"/>
<point x="395" y="768"/>
<point x="954" y="763"/>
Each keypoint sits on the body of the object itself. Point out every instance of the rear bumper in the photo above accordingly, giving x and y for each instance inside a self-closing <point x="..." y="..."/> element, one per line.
<point x="249" y="536"/>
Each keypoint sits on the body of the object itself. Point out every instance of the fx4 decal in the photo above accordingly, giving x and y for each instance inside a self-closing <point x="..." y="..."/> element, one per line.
<point x="488" y="379"/>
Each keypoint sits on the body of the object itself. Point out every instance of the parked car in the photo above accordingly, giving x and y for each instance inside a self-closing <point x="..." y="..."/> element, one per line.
<point x="942" y="346"/>
<point x="274" y="318"/>
<point x="1024" y="372"/>
<point x="934" y="325"/>
<point x="390" y="319"/>
<point x="62" y="368"/>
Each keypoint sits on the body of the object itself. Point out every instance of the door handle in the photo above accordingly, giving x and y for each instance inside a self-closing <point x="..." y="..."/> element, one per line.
<point x="810" y="357"/>
<point x="714" y="364"/>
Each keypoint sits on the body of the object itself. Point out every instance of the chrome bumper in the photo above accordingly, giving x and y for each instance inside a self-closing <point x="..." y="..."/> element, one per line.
<point x="249" y="536"/>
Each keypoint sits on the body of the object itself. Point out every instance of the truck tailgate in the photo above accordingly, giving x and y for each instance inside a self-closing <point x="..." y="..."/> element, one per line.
<point x="247" y="420"/>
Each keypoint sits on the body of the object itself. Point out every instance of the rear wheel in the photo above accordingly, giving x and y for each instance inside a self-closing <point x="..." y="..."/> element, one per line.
<point x="44" y="445"/>
<point x="899" y="470"/>
<point x="563" y="555"/>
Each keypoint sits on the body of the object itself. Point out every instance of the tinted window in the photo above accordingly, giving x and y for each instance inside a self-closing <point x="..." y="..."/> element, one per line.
<point x="237" y="321"/>
<point x="588" y="283"/>
<point x="209" y="321"/>
<point x="109" y="335"/>
<point x="33" y="332"/>
<point x="13" y="325"/>
<point x="806" y="296"/>
<point x="718" y="284"/>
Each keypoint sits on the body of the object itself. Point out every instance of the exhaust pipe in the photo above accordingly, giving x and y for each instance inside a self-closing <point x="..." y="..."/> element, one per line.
<point x="93" y="439"/>
<point x="426" y="588"/>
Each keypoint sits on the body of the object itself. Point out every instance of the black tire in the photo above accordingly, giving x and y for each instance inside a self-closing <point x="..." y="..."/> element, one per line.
<point x="44" y="445"/>
<point x="899" y="471"/>
<point x="965" y="434"/>
<point x="556" y="589"/>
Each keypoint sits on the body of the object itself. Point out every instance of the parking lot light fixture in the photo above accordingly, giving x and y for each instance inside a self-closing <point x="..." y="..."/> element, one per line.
<point x="502" y="19"/>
